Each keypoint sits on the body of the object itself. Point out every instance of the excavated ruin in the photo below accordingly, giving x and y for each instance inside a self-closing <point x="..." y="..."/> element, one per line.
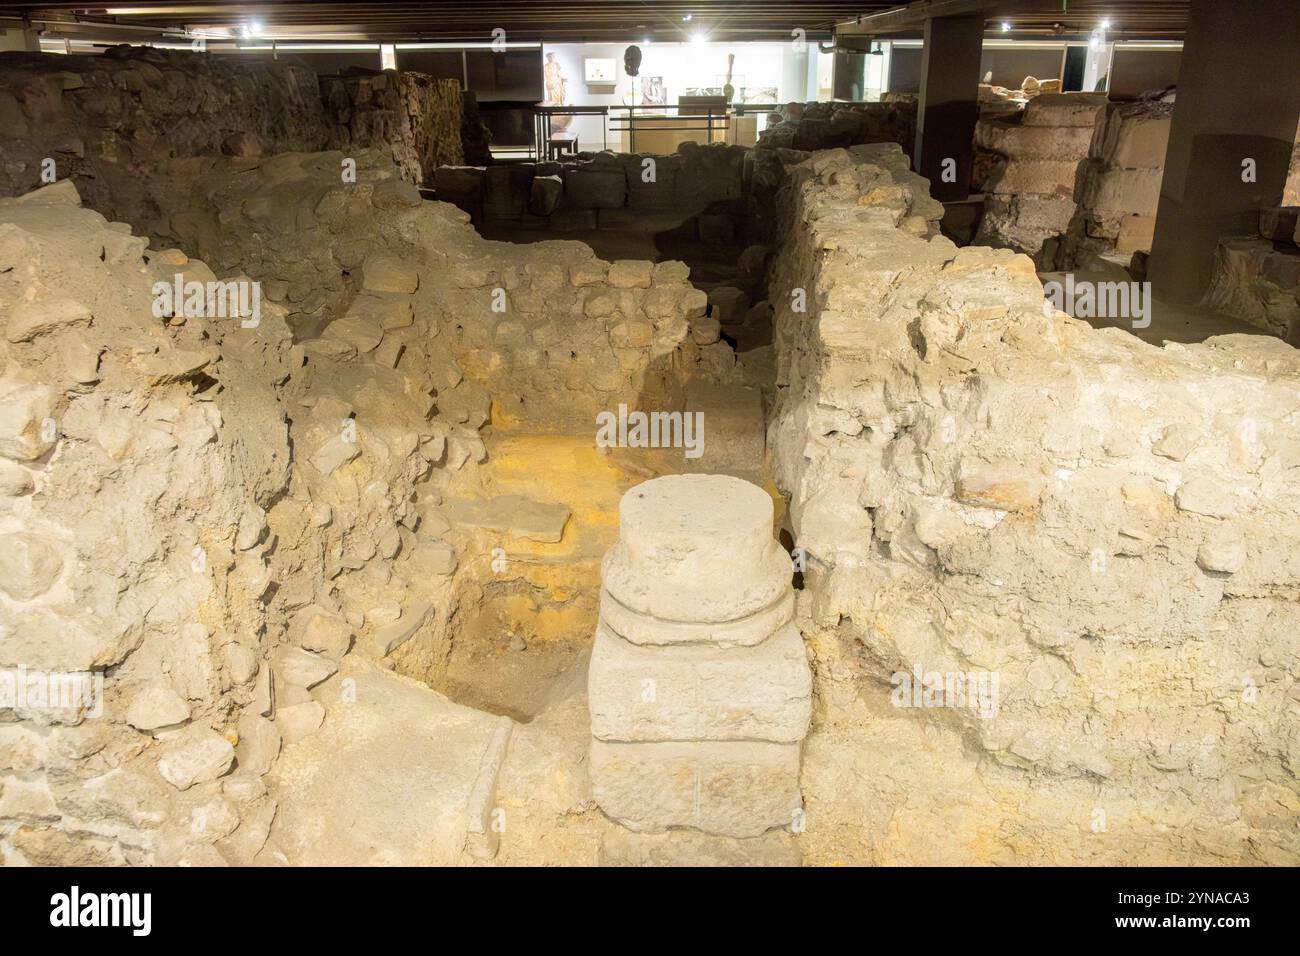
<point x="377" y="565"/>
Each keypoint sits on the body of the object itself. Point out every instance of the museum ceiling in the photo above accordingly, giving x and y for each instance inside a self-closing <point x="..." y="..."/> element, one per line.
<point x="576" y="20"/>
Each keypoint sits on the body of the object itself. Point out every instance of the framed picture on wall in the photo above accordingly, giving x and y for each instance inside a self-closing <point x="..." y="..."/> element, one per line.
<point x="600" y="70"/>
<point x="653" y="92"/>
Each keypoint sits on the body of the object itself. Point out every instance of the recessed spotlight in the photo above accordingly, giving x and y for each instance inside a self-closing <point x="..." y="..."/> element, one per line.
<point x="1006" y="27"/>
<point x="687" y="18"/>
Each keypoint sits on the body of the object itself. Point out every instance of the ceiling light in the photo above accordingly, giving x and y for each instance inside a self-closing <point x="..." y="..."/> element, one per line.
<point x="686" y="19"/>
<point x="1105" y="24"/>
<point x="1006" y="27"/>
<point x="699" y="39"/>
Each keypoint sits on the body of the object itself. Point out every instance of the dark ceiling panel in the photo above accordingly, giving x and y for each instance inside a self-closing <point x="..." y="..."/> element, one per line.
<point x="571" y="20"/>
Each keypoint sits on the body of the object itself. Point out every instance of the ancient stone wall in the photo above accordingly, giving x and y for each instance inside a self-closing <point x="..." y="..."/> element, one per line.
<point x="107" y="122"/>
<point x="1257" y="278"/>
<point x="715" y="193"/>
<point x="1080" y="178"/>
<point x="205" y="513"/>
<point x="1030" y="196"/>
<point x="1119" y="186"/>
<point x="983" y="486"/>
<point x="812" y="126"/>
<point x="415" y="118"/>
<point x="698" y="187"/>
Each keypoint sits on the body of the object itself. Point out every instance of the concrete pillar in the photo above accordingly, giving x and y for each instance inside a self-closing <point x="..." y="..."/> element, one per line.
<point x="1237" y="101"/>
<point x="949" y="104"/>
<point x="699" y="686"/>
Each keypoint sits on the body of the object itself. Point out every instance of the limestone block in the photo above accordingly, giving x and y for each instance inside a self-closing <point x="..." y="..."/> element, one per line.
<point x="700" y="691"/>
<point x="734" y="426"/>
<point x="1064" y="109"/>
<point x="300" y="668"/>
<point x="1134" y="140"/>
<point x="359" y="333"/>
<point x="395" y="193"/>
<point x="595" y="187"/>
<point x="568" y="218"/>
<point x="299" y="721"/>
<point x="1207" y="496"/>
<point x="156" y="707"/>
<point x="389" y="274"/>
<point x="259" y="744"/>
<point x="507" y="190"/>
<point x="1039" y="176"/>
<point x="42" y="316"/>
<point x="731" y="788"/>
<point x="462" y="186"/>
<point x="196" y="758"/>
<point x="1033" y="142"/>
<point x="630" y="274"/>
<point x="728" y="305"/>
<point x="1005" y="485"/>
<point x="1109" y="191"/>
<point x="1136" y="233"/>
<point x="544" y="195"/>
<point x="386" y="312"/>
<point x="25" y="408"/>
<point x="15" y="480"/>
<point x="678" y="533"/>
<point x="324" y="633"/>
<point x="29" y="565"/>
<point x="1279" y="223"/>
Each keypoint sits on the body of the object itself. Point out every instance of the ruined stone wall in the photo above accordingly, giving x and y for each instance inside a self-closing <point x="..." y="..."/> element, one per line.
<point x="1080" y="177"/>
<point x="204" y="514"/>
<point x="698" y="187"/>
<point x="1119" y="186"/>
<point x="1030" y="197"/>
<point x="715" y="193"/>
<point x="107" y="120"/>
<point x="982" y="485"/>
<point x="415" y="118"/>
<point x="1257" y="278"/>
<point x="812" y="126"/>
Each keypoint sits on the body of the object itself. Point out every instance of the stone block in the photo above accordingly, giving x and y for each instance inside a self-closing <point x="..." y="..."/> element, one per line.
<point x="1064" y="109"/>
<point x="595" y="186"/>
<point x="1109" y="191"/>
<point x="1044" y="177"/>
<point x="545" y="193"/>
<point x="1033" y="142"/>
<point x="700" y="691"/>
<point x="507" y="190"/>
<point x="1279" y="223"/>
<point x="736" y="788"/>
<point x="1135" y="234"/>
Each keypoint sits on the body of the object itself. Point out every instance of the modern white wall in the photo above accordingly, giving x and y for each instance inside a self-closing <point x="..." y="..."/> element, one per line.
<point x="682" y="65"/>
